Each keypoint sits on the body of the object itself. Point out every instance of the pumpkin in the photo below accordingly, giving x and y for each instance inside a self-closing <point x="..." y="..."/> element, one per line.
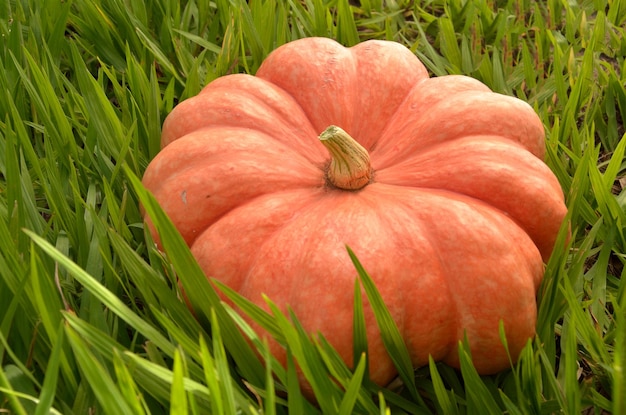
<point x="437" y="185"/>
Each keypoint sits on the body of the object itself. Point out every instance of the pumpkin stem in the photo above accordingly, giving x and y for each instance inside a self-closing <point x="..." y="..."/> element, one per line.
<point x="350" y="167"/>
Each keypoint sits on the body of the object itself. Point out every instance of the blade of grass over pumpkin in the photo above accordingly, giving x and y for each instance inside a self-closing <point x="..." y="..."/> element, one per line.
<point x="269" y="401"/>
<point x="344" y="375"/>
<point x="260" y="316"/>
<point x="359" y="333"/>
<point x="279" y="373"/>
<point x="529" y="393"/>
<point x="389" y="331"/>
<point x="258" y="342"/>
<point x="479" y="398"/>
<point x="222" y="369"/>
<point x="295" y="400"/>
<point x="197" y="288"/>
<point x="524" y="391"/>
<point x="352" y="391"/>
<point x="445" y="399"/>
<point x="308" y="359"/>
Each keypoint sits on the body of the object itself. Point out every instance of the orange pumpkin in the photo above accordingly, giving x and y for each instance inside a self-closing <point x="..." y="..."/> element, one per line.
<point x="437" y="185"/>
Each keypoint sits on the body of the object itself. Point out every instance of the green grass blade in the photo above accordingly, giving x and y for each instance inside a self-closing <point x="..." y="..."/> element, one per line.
<point x="162" y="378"/>
<point x="223" y="371"/>
<point x="479" y="398"/>
<point x="200" y="293"/>
<point x="295" y="400"/>
<point x="128" y="386"/>
<point x="9" y="392"/>
<point x="211" y="378"/>
<point x="260" y="316"/>
<point x="178" y="397"/>
<point x="389" y="331"/>
<point x="85" y="86"/>
<point x="352" y="391"/>
<point x="359" y="333"/>
<point x="445" y="399"/>
<point x="104" y="295"/>
<point x="269" y="403"/>
<point x="347" y="32"/>
<point x="344" y="376"/>
<point x="100" y="381"/>
<point x="49" y="387"/>
<point x="305" y="354"/>
<point x="511" y="408"/>
<point x="619" y="364"/>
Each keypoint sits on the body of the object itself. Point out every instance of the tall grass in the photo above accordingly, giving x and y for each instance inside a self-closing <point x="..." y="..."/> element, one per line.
<point x="91" y="319"/>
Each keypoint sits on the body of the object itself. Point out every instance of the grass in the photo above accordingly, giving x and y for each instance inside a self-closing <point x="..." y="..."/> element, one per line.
<point x="90" y="318"/>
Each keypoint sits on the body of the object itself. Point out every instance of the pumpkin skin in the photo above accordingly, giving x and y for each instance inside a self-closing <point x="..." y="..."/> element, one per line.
<point x="454" y="226"/>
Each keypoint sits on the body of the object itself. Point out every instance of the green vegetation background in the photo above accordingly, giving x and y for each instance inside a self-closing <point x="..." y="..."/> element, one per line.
<point x="90" y="320"/>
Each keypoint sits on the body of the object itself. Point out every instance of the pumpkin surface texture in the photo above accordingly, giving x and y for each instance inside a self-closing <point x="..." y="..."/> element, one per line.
<point x="437" y="185"/>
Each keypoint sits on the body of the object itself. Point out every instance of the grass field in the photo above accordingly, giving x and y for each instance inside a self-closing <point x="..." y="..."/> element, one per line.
<point x="90" y="318"/>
